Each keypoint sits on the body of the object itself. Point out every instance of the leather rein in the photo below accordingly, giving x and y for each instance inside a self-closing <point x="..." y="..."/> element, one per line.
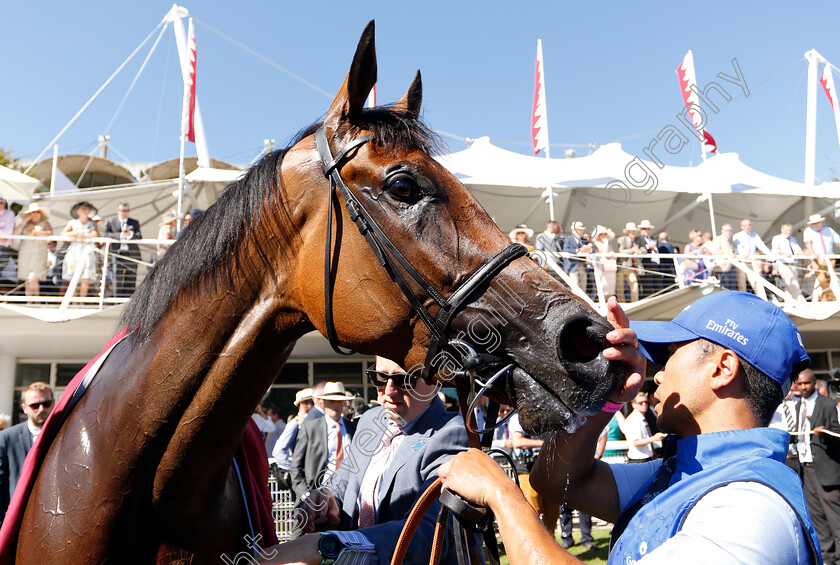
<point x="394" y="262"/>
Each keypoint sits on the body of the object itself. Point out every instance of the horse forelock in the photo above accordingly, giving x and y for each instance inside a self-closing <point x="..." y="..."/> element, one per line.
<point x="252" y="211"/>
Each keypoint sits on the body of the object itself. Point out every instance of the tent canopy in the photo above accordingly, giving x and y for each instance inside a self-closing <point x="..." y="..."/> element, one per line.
<point x="16" y="186"/>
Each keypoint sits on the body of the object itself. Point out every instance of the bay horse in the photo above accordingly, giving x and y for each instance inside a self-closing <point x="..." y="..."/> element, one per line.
<point x="140" y="471"/>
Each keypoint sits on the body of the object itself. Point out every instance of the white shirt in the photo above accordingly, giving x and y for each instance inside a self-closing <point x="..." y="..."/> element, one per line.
<point x="746" y="244"/>
<point x="782" y="244"/>
<point x="636" y="427"/>
<point x="826" y="236"/>
<point x="742" y="522"/>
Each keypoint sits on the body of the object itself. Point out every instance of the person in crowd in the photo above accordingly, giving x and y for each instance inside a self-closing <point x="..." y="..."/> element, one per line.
<point x="284" y="448"/>
<point x="628" y="267"/>
<point x="614" y="433"/>
<point x="786" y="248"/>
<point x="15" y="442"/>
<point x="406" y="439"/>
<point x="819" y="455"/>
<point x="694" y="268"/>
<point x="819" y="239"/>
<point x="650" y="280"/>
<point x="605" y="263"/>
<point x="724" y="253"/>
<point x="124" y="256"/>
<point x="822" y="282"/>
<point x="7" y="227"/>
<point x="747" y="244"/>
<point x="32" y="253"/>
<point x="264" y="424"/>
<point x="321" y="444"/>
<point x="723" y="493"/>
<point x="275" y="416"/>
<point x="522" y="234"/>
<point x="668" y="266"/>
<point x="575" y="243"/>
<point x="165" y="232"/>
<point x="318" y="403"/>
<point x="551" y="242"/>
<point x="641" y="442"/>
<point x="189" y="218"/>
<point x="787" y="418"/>
<point x="81" y="254"/>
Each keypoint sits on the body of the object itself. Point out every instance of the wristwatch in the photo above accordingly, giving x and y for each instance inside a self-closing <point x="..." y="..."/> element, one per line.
<point x="329" y="548"/>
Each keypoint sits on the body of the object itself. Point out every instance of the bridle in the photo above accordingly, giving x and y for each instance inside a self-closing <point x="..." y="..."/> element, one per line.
<point x="392" y="259"/>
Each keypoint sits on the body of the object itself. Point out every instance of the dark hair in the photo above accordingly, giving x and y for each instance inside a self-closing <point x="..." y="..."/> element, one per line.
<point x="208" y="253"/>
<point x="763" y="394"/>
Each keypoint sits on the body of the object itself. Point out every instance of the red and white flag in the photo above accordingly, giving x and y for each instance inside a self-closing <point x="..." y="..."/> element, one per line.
<point x="827" y="82"/>
<point x="539" y="113"/>
<point x="685" y="74"/>
<point x="188" y="111"/>
<point x="371" y="100"/>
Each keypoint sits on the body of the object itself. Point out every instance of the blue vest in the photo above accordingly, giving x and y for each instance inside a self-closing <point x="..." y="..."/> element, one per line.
<point x="704" y="463"/>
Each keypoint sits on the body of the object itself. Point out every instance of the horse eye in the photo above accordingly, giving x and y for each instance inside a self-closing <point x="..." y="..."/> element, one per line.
<point x="402" y="186"/>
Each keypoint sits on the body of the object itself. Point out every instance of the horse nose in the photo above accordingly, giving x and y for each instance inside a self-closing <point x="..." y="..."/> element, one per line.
<point x="580" y="342"/>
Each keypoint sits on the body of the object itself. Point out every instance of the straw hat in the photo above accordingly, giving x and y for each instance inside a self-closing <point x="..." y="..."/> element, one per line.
<point x="521" y="228"/>
<point x="814" y="218"/>
<point x="645" y="224"/>
<point x="169" y="218"/>
<point x="599" y="229"/>
<point x="303" y="395"/>
<point x="45" y="212"/>
<point x="335" y="391"/>
<point x="74" y="211"/>
<point x="577" y="226"/>
<point x="630" y="226"/>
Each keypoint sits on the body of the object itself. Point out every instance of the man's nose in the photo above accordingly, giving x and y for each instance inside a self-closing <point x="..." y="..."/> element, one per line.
<point x="657" y="378"/>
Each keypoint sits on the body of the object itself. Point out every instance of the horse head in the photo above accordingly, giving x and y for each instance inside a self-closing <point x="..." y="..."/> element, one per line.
<point x="517" y="314"/>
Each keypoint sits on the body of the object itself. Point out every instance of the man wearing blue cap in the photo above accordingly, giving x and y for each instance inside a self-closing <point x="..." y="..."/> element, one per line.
<point x="723" y="494"/>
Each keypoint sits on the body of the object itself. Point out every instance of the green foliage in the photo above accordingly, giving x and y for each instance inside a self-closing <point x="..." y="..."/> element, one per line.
<point x="9" y="160"/>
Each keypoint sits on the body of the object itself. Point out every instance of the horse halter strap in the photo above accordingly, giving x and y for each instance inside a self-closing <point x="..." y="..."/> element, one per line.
<point x="389" y="257"/>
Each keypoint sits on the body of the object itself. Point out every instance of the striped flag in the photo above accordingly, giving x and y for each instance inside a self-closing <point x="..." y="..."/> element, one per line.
<point x="685" y="74"/>
<point x="539" y="113"/>
<point x="188" y="110"/>
<point x="827" y="82"/>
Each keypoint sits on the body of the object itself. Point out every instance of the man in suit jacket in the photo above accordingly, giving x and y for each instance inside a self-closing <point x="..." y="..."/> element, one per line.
<point x="123" y="268"/>
<point x="628" y="267"/>
<point x="16" y="441"/>
<point x="321" y="443"/>
<point x="395" y="455"/>
<point x="819" y="455"/>
<point x="551" y="242"/>
<point x="650" y="281"/>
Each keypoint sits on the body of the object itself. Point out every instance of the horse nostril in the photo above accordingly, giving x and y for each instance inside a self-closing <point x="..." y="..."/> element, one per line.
<point x="580" y="341"/>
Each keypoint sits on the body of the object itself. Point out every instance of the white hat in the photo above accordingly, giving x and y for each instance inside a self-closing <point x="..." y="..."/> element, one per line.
<point x="577" y="226"/>
<point x="645" y="224"/>
<point x="630" y="226"/>
<point x="814" y="218"/>
<point x="335" y="391"/>
<point x="33" y="207"/>
<point x="303" y="396"/>
<point x="521" y="228"/>
<point x="599" y="229"/>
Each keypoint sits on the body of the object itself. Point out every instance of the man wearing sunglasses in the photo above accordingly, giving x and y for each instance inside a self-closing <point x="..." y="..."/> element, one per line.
<point x="394" y="457"/>
<point x="16" y="441"/>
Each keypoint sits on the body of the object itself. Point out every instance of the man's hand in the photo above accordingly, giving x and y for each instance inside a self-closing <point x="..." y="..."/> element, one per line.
<point x="300" y="551"/>
<point x="625" y="350"/>
<point x="819" y="430"/>
<point x="317" y="506"/>
<point x="475" y="476"/>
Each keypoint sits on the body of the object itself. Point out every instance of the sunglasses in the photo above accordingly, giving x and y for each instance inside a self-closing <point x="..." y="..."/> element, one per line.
<point x="37" y="405"/>
<point x="402" y="381"/>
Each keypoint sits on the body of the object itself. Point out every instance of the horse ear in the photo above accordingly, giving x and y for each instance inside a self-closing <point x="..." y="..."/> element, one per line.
<point x="351" y="97"/>
<point x="413" y="97"/>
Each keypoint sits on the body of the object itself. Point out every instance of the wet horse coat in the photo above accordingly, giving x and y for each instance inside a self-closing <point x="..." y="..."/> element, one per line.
<point x="141" y="471"/>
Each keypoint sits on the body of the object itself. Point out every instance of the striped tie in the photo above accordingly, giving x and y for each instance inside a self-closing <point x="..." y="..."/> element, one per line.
<point x="370" y="482"/>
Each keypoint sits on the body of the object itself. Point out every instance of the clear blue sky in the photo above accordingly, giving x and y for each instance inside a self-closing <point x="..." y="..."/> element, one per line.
<point x="609" y="67"/>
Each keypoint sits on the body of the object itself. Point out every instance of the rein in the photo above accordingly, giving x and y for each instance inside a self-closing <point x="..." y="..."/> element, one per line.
<point x="391" y="259"/>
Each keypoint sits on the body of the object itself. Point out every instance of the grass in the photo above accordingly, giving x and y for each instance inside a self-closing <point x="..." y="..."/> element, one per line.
<point x="602" y="538"/>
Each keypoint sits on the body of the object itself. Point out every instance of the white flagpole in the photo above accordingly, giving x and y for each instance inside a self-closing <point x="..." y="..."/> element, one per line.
<point x="185" y="125"/>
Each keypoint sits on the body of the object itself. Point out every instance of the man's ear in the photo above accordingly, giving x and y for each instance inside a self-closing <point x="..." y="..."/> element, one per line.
<point x="728" y="366"/>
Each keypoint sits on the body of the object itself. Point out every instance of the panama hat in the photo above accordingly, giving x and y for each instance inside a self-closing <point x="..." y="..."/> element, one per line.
<point x="303" y="395"/>
<point x="335" y="391"/>
<point x="45" y="212"/>
<point x="599" y="229"/>
<point x="814" y="218"/>
<point x="170" y="217"/>
<point x="645" y="224"/>
<point x="630" y="226"/>
<point x="521" y="228"/>
<point x="577" y="226"/>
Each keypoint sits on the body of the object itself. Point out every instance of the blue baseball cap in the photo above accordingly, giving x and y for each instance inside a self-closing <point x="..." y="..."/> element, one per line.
<point x="757" y="330"/>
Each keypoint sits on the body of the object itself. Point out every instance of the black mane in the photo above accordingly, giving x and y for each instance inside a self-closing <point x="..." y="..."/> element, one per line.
<point x="207" y="253"/>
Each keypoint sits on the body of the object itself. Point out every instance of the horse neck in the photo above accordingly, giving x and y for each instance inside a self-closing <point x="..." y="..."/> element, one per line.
<point x="221" y="349"/>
